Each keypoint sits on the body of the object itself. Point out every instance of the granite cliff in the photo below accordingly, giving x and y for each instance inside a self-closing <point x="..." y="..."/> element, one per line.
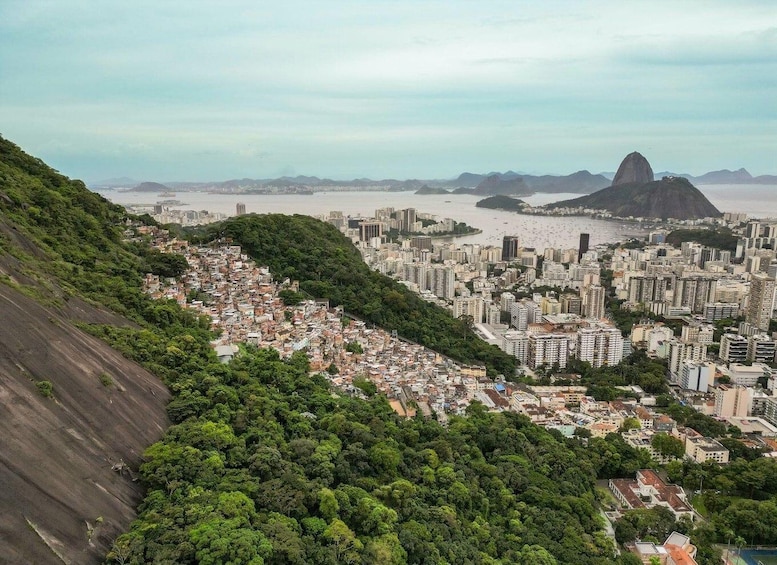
<point x="632" y="195"/>
<point x="633" y="169"/>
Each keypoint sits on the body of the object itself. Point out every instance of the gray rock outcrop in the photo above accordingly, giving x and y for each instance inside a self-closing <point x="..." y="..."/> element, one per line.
<point x="633" y="169"/>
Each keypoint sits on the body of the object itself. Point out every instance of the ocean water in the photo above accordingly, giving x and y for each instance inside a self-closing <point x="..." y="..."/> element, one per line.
<point x="534" y="231"/>
<point x="756" y="200"/>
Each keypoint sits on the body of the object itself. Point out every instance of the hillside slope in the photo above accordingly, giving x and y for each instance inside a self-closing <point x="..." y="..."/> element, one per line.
<point x="327" y="265"/>
<point x="60" y="255"/>
<point x="57" y="453"/>
<point x="670" y="197"/>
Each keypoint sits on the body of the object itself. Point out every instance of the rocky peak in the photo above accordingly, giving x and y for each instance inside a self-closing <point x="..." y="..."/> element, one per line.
<point x="633" y="169"/>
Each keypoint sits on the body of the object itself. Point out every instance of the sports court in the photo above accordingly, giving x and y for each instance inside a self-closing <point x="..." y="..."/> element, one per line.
<point x="753" y="557"/>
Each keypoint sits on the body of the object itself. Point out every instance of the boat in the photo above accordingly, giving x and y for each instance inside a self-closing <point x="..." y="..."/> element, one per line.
<point x="166" y="194"/>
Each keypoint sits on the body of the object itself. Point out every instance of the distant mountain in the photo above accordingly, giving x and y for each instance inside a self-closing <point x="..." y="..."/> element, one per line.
<point x="581" y="181"/>
<point x="495" y="184"/>
<point x="764" y="179"/>
<point x="426" y="189"/>
<point x="468" y="180"/>
<point x="150" y="187"/>
<point x="507" y="175"/>
<point x="670" y="197"/>
<point x="725" y="176"/>
<point x="300" y="182"/>
<point x="634" y="169"/>
<point x="118" y="182"/>
<point x="502" y="202"/>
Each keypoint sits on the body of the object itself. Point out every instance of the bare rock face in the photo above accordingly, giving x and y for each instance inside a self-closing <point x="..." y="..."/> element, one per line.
<point x="66" y="485"/>
<point x="633" y="169"/>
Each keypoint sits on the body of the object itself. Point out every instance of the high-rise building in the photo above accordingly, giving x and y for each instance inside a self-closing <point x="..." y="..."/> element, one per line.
<point x="753" y="229"/>
<point x="761" y="348"/>
<point x="583" y="247"/>
<point x="646" y="289"/>
<point x="720" y="310"/>
<point x="473" y="306"/>
<point x="443" y="282"/>
<point x="240" y="209"/>
<point x="369" y="230"/>
<point x="733" y="400"/>
<point x="733" y="348"/>
<point x="759" y="307"/>
<point x="571" y="304"/>
<point x="524" y="313"/>
<point x="421" y="242"/>
<point x="407" y="218"/>
<point x="593" y="301"/>
<point x="549" y="349"/>
<point x="696" y="375"/>
<point x="506" y="301"/>
<point x="694" y="292"/>
<point x="516" y="343"/>
<point x="752" y="264"/>
<point x="680" y="351"/>
<point x="699" y="333"/>
<point x="600" y="346"/>
<point x="511" y="245"/>
<point x="492" y="314"/>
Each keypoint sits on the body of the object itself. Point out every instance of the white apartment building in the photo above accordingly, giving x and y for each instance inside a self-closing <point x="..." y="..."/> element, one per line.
<point x="696" y="376"/>
<point x="470" y="306"/>
<point x="747" y="375"/>
<point x="700" y="333"/>
<point x="524" y="313"/>
<point x="600" y="346"/>
<point x="516" y="343"/>
<point x="761" y="348"/>
<point x="549" y="349"/>
<point x="593" y="301"/>
<point x="733" y="348"/>
<point x="680" y="351"/>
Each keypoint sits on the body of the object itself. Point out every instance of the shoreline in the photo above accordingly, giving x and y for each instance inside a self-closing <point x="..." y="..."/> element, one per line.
<point x="671" y="223"/>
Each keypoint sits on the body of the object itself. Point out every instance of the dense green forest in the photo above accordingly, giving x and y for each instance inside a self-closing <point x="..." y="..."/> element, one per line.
<point x="328" y="266"/>
<point x="502" y="202"/>
<point x="720" y="238"/>
<point x="265" y="463"/>
<point x="69" y="240"/>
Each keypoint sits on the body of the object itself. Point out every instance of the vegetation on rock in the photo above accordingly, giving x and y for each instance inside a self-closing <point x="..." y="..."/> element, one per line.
<point x="720" y="238"/>
<point x="502" y="202"/>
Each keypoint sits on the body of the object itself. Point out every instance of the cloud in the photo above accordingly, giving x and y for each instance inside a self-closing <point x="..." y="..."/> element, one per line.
<point x="397" y="87"/>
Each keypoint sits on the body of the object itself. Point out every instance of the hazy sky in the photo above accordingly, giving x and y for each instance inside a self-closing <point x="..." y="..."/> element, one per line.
<point x="188" y="90"/>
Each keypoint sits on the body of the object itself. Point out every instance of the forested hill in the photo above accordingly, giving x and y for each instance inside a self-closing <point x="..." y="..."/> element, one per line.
<point x="266" y="465"/>
<point x="70" y="407"/>
<point x="264" y="462"/>
<point x="328" y="266"/>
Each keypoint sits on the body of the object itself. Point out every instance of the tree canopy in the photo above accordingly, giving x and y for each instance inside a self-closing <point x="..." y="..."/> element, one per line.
<point x="327" y="265"/>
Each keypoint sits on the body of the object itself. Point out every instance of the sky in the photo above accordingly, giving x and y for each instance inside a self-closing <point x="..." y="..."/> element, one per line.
<point x="197" y="91"/>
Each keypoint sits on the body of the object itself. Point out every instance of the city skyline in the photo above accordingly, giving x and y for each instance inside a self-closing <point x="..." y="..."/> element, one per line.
<point x="200" y="91"/>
